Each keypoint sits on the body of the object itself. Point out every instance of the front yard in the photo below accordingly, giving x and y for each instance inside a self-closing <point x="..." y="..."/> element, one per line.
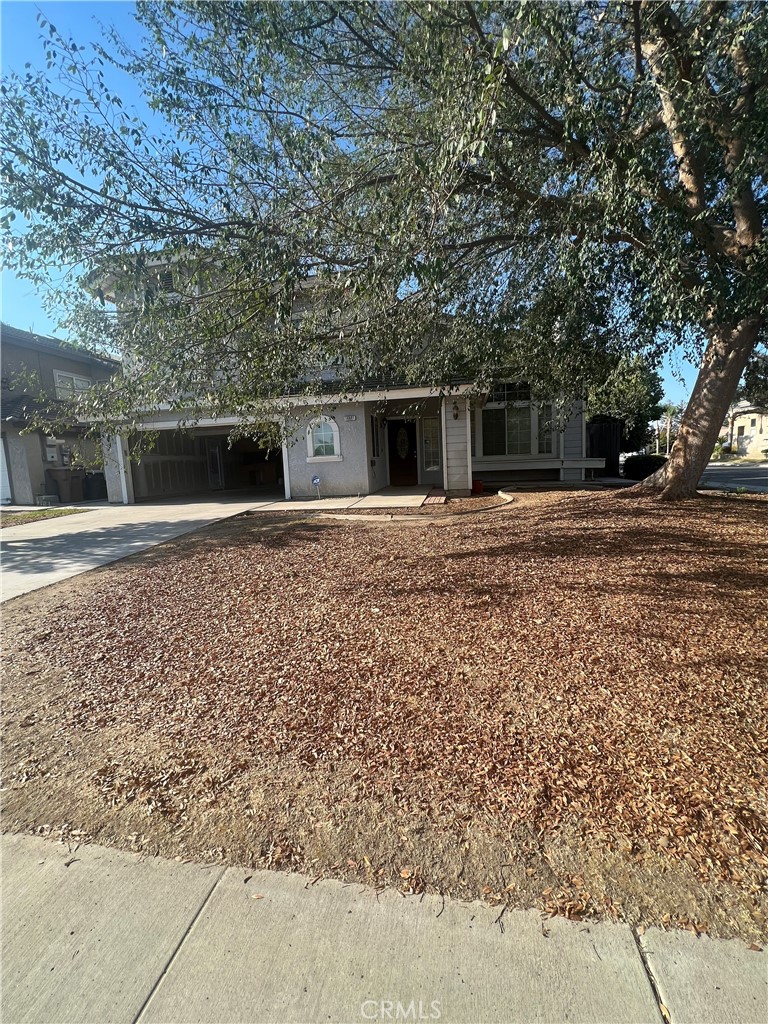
<point x="8" y="519"/>
<point x="559" y="703"/>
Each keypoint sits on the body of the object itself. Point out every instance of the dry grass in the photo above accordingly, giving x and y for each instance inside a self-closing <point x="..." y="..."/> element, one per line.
<point x="8" y="519"/>
<point x="561" y="703"/>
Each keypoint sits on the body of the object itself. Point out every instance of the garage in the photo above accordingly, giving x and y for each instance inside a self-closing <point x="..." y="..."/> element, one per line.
<point x="182" y="463"/>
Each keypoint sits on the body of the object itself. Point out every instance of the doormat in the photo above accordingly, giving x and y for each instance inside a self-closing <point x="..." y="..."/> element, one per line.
<point x="435" y="497"/>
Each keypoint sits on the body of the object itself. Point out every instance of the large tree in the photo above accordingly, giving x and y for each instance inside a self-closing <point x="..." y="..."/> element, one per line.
<point x="481" y="188"/>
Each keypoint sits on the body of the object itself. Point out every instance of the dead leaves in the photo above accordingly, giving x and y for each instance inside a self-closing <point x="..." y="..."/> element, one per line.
<point x="587" y="661"/>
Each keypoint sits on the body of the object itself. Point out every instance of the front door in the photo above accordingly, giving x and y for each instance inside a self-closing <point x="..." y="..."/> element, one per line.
<point x="403" y="468"/>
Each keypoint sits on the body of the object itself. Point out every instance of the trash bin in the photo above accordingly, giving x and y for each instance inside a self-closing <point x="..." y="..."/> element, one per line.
<point x="68" y="483"/>
<point x="95" y="487"/>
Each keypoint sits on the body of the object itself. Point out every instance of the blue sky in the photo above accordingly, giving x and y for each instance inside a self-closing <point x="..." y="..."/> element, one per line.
<point x="21" y="40"/>
<point x="21" y="43"/>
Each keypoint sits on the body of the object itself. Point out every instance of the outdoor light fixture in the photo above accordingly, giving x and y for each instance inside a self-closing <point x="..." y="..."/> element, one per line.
<point x="455" y="410"/>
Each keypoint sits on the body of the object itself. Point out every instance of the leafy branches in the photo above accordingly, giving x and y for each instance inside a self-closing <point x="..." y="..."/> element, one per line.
<point x="471" y="172"/>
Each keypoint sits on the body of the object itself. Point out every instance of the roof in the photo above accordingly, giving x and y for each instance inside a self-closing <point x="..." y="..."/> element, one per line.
<point x="44" y="343"/>
<point x="18" y="408"/>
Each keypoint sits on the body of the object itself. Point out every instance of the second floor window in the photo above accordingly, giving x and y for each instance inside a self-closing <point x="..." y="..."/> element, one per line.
<point x="69" y="384"/>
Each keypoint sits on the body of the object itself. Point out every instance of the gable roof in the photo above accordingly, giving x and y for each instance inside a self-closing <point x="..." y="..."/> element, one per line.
<point x="44" y="343"/>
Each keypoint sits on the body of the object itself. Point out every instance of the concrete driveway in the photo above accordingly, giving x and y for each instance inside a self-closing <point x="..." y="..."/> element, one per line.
<point x="38" y="554"/>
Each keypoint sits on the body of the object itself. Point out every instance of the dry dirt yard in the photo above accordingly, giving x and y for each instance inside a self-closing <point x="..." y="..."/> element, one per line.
<point x="557" y="703"/>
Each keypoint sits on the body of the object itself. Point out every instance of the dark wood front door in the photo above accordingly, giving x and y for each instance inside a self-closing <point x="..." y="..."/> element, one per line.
<point x="403" y="468"/>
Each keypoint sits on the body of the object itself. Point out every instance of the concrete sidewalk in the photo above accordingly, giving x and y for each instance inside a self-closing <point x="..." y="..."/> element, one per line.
<point x="93" y="935"/>
<point x="389" y="497"/>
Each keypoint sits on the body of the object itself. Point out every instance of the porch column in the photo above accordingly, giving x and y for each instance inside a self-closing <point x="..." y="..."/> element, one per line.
<point x="286" y="472"/>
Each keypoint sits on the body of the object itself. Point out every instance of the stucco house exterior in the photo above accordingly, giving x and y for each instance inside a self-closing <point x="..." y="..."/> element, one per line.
<point x="444" y="436"/>
<point x="34" y="464"/>
<point x="746" y="430"/>
<point x="389" y="437"/>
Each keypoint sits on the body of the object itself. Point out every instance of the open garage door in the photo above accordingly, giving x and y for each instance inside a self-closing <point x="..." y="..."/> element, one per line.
<point x="201" y="462"/>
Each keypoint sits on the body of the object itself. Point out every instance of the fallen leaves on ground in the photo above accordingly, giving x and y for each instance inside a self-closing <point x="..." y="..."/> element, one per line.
<point x="585" y="661"/>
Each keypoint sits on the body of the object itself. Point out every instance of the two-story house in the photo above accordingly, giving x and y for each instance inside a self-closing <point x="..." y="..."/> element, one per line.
<point x="442" y="436"/>
<point x="37" y="463"/>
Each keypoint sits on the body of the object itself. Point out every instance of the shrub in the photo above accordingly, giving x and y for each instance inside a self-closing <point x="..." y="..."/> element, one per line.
<point x="722" y="447"/>
<point x="638" y="467"/>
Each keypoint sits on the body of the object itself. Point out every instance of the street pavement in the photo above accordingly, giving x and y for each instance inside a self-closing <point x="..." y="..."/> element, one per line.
<point x="753" y="476"/>
<point x="93" y="935"/>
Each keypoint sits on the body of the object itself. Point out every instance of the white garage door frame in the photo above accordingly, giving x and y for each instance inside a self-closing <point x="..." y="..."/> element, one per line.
<point x="6" y="494"/>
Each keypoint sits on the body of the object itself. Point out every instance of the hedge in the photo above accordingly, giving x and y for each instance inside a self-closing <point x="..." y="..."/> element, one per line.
<point x="638" y="467"/>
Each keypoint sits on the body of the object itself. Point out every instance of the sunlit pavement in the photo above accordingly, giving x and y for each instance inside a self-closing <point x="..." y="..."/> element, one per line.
<point x="47" y="551"/>
<point x="92" y="934"/>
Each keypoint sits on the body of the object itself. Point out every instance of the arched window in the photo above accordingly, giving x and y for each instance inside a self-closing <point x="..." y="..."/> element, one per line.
<point x="323" y="440"/>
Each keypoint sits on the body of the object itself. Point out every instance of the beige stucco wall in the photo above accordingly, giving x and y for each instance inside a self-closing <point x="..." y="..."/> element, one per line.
<point x="345" y="476"/>
<point x="754" y="440"/>
<point x="22" y="456"/>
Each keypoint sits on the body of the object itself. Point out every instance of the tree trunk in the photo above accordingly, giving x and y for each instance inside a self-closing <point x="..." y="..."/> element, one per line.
<point x="726" y="356"/>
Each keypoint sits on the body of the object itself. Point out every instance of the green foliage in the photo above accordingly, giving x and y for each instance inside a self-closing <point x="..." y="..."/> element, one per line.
<point x="475" y="188"/>
<point x="638" y="467"/>
<point x="754" y="385"/>
<point x="722" y="447"/>
<point x="632" y="392"/>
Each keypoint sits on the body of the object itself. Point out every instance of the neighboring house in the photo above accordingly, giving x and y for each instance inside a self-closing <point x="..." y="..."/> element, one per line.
<point x="391" y="436"/>
<point x="37" y="463"/>
<point x="746" y="428"/>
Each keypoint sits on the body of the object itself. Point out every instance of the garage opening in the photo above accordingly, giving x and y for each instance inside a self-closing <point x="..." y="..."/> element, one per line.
<point x="202" y="462"/>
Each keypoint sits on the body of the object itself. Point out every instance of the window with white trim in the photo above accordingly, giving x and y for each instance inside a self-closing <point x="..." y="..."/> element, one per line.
<point x="546" y="428"/>
<point x="430" y="442"/>
<point x="510" y="424"/>
<point x="70" y="384"/>
<point x="323" y="440"/>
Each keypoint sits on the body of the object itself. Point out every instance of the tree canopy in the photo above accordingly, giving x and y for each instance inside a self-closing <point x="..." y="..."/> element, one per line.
<point x="631" y="391"/>
<point x="479" y="188"/>
<point x="754" y="387"/>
